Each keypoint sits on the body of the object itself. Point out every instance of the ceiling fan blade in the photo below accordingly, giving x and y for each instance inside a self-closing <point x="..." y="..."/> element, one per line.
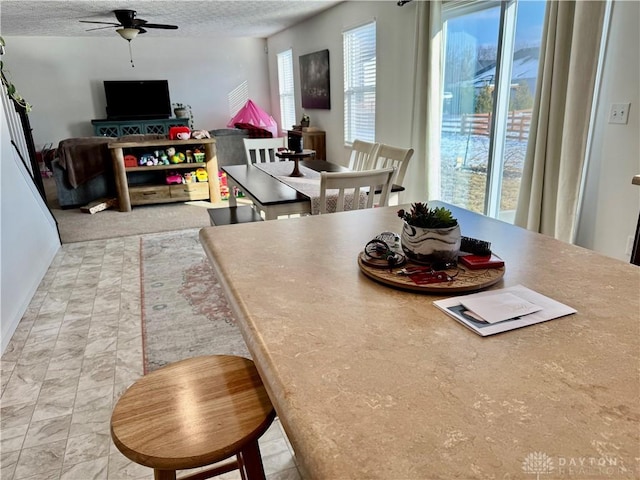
<point x="100" y="28"/>
<point x="141" y="30"/>
<point x="105" y="23"/>
<point x="159" y="25"/>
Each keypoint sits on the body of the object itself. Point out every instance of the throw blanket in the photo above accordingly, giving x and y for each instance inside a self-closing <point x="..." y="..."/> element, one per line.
<point x="309" y="185"/>
<point x="84" y="158"/>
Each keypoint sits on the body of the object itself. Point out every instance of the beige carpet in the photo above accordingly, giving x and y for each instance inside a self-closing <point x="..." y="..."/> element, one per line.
<point x="77" y="226"/>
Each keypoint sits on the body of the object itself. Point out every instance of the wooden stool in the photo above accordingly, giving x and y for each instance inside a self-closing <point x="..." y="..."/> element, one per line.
<point x="193" y="413"/>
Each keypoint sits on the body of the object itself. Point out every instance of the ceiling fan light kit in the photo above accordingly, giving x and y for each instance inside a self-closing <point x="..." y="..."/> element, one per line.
<point x="128" y="33"/>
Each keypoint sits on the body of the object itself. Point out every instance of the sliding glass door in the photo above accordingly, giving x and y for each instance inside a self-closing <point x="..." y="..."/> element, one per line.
<point x="491" y="52"/>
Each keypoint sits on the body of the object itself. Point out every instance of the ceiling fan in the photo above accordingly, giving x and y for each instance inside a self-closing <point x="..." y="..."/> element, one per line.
<point x="128" y="25"/>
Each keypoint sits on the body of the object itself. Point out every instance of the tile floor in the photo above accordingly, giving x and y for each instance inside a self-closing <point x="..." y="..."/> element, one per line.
<point x="75" y="351"/>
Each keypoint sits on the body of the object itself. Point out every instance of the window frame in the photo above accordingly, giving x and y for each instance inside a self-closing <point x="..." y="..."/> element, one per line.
<point x="286" y="89"/>
<point x="360" y="82"/>
<point x="500" y="108"/>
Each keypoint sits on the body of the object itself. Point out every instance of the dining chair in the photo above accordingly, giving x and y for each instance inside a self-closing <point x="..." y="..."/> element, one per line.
<point x="362" y="154"/>
<point x="263" y="150"/>
<point x="388" y="156"/>
<point x="340" y="191"/>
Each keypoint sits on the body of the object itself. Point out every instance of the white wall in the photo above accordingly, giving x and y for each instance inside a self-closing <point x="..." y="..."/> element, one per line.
<point x="612" y="203"/>
<point x="62" y="77"/>
<point x="395" y="42"/>
<point x="28" y="237"/>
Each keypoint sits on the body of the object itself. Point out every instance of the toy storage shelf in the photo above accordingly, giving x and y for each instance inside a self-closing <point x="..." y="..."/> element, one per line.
<point x="173" y="166"/>
<point x="147" y="186"/>
<point x="134" y="189"/>
<point x="120" y="128"/>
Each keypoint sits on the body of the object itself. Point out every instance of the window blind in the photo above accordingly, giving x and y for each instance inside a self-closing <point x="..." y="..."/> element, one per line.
<point x="285" y="82"/>
<point x="359" y="45"/>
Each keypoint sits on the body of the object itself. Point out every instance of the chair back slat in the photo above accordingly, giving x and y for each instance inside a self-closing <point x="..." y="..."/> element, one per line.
<point x="263" y="150"/>
<point x="389" y="156"/>
<point x="358" y="187"/>
<point x="362" y="155"/>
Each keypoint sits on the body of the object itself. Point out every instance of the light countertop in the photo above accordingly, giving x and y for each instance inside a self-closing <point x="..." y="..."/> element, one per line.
<point x="374" y="382"/>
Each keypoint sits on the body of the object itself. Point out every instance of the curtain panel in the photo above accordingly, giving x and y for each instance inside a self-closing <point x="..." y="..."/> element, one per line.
<point x="426" y="115"/>
<point x="556" y="154"/>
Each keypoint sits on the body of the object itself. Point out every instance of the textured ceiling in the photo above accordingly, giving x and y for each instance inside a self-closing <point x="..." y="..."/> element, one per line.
<point x="215" y="18"/>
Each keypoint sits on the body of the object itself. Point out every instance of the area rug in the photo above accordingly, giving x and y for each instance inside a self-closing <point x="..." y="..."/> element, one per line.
<point x="184" y="310"/>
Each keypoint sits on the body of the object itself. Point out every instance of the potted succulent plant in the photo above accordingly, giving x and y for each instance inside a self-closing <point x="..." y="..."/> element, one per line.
<point x="429" y="234"/>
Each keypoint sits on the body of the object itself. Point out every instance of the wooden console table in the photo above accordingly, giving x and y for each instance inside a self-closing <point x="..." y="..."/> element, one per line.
<point x="315" y="140"/>
<point x="156" y="191"/>
<point x="120" y="128"/>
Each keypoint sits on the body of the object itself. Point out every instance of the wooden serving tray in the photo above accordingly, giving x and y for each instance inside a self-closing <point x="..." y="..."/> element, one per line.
<point x="465" y="281"/>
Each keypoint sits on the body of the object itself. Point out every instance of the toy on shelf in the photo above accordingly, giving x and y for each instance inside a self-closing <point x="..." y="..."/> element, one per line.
<point x="175" y="157"/>
<point x="130" y="161"/>
<point x="198" y="156"/>
<point x="179" y="133"/>
<point x="189" y="177"/>
<point x="148" y="159"/>
<point x="174" y="178"/>
<point x="162" y="157"/>
<point x="201" y="175"/>
<point x="199" y="134"/>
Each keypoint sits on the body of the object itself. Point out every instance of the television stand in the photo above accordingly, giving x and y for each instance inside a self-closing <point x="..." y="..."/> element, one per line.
<point x="140" y="126"/>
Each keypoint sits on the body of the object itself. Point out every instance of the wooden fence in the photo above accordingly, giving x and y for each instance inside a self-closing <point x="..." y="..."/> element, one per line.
<point x="518" y="124"/>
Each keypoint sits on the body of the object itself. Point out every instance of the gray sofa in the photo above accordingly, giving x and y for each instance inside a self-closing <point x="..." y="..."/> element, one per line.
<point x="69" y="197"/>
<point x="229" y="148"/>
<point x="82" y="170"/>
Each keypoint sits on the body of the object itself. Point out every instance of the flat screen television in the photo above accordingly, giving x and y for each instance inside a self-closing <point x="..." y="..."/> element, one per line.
<point x="137" y="99"/>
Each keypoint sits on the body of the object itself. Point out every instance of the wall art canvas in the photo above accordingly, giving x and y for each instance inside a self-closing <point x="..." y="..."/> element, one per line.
<point x="314" y="80"/>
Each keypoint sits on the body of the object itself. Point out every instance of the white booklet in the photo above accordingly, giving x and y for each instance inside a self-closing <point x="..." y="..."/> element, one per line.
<point x="529" y="307"/>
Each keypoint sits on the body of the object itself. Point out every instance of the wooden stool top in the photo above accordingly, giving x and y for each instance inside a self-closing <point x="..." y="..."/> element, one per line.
<point x="192" y="413"/>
